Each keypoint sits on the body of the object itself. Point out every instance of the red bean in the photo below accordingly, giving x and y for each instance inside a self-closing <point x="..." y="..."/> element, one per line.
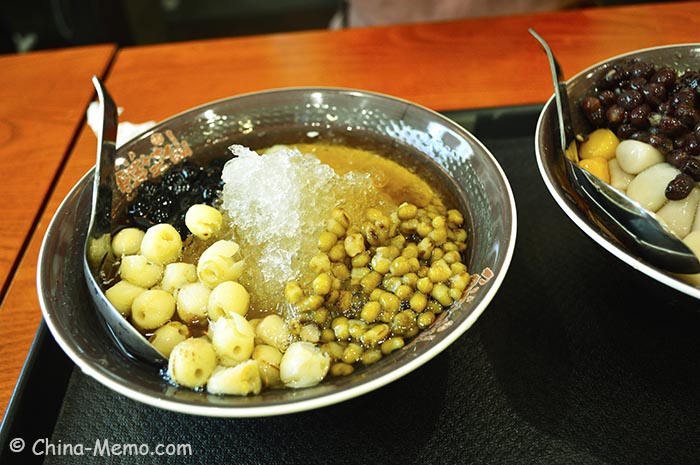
<point x="680" y="187"/>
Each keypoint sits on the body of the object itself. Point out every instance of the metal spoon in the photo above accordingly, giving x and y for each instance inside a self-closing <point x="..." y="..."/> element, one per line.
<point x="98" y="244"/>
<point x="627" y="221"/>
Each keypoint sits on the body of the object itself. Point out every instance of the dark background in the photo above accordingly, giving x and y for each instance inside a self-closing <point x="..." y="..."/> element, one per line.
<point x="27" y="25"/>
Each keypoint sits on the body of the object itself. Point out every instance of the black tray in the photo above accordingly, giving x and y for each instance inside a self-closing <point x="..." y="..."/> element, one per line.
<point x="578" y="359"/>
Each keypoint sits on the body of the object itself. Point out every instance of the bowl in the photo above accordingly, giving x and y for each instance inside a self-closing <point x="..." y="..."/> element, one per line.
<point x="453" y="158"/>
<point x="551" y="168"/>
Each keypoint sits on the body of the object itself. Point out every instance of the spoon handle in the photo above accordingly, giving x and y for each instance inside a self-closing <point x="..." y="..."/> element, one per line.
<point x="101" y="218"/>
<point x="566" y="129"/>
<point x="98" y="243"/>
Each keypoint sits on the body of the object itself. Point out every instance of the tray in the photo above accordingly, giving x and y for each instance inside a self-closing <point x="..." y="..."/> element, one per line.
<point x="578" y="359"/>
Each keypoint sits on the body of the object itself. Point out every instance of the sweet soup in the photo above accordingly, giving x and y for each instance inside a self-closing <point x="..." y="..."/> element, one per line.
<point x="310" y="260"/>
<point x="647" y="141"/>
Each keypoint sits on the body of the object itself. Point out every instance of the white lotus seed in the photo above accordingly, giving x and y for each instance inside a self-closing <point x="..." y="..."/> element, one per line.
<point x="168" y="336"/>
<point x="217" y="264"/>
<point x="303" y="365"/>
<point x="139" y="271"/>
<point x="192" y="302"/>
<point x="178" y="274"/>
<point x="161" y="244"/>
<point x="203" y="221"/>
<point x="191" y="362"/>
<point x="269" y="360"/>
<point x="239" y="380"/>
<point x="233" y="339"/>
<point x="272" y="330"/>
<point x="152" y="308"/>
<point x="122" y="296"/>
<point x="226" y="298"/>
<point x="127" y="242"/>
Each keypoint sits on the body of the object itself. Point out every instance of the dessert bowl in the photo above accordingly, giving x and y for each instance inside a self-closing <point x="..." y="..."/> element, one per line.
<point x="442" y="152"/>
<point x="580" y="86"/>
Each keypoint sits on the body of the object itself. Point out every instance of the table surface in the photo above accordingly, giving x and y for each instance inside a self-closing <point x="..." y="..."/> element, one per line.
<point x="474" y="63"/>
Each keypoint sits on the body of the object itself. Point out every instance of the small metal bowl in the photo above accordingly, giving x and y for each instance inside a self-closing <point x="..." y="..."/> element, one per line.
<point x="546" y="140"/>
<point x="454" y="160"/>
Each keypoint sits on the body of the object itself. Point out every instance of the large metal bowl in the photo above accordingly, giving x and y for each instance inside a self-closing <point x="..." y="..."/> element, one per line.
<point x="459" y="165"/>
<point x="546" y="142"/>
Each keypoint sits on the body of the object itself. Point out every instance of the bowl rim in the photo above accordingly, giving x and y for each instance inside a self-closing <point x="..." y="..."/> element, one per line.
<point x="293" y="406"/>
<point x="577" y="216"/>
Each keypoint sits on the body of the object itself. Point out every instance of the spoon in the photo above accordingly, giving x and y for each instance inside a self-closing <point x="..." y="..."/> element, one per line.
<point x="626" y="220"/>
<point x="98" y="244"/>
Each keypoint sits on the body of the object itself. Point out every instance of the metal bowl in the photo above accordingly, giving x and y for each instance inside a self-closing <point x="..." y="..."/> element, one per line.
<point x="546" y="140"/>
<point x="451" y="157"/>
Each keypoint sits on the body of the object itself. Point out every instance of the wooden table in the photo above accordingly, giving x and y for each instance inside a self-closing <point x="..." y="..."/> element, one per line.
<point x="43" y="97"/>
<point x="462" y="64"/>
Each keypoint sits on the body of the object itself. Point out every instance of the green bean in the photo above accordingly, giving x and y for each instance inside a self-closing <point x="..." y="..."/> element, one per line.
<point x="404" y="292"/>
<point x="370" y="282"/>
<point x="392" y="344"/>
<point x="341" y="369"/>
<point x="425" y="319"/>
<point x="341" y="217"/>
<point x="354" y="244"/>
<point x="352" y="353"/>
<point x="370" y="311"/>
<point x="327" y="335"/>
<point x="399" y="266"/>
<point x="371" y="356"/>
<point x="455" y="217"/>
<point x="389" y="302"/>
<point x="418" y="302"/>
<point x="439" y="271"/>
<point x="322" y="284"/>
<point x="334" y="349"/>
<point x="410" y="279"/>
<point x="340" y="271"/>
<point x="374" y="335"/>
<point x="407" y="211"/>
<point x="326" y="240"/>
<point x="337" y="253"/>
<point x="356" y="328"/>
<point x="441" y="293"/>
<point x="334" y="226"/>
<point x="310" y="302"/>
<point x="425" y="285"/>
<point x="360" y="260"/>
<point x="403" y="322"/>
